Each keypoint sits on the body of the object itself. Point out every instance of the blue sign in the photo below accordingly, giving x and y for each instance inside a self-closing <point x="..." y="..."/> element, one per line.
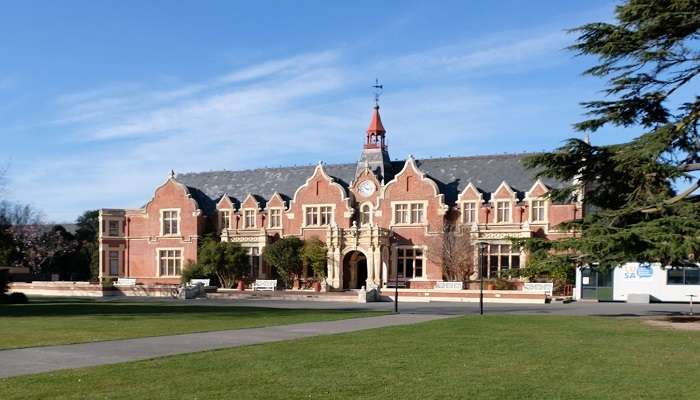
<point x="644" y="270"/>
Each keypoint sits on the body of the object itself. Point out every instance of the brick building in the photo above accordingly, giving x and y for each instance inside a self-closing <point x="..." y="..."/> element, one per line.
<point x="376" y="216"/>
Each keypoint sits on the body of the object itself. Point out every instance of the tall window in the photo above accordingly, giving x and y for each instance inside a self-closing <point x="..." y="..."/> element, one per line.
<point x="248" y="219"/>
<point x="537" y="211"/>
<point x="113" y="263"/>
<point x="170" y="222"/>
<point x="469" y="212"/>
<point x="499" y="259"/>
<point x="170" y="262"/>
<point x="409" y="263"/>
<point x="409" y="213"/>
<point x="503" y="211"/>
<point x="318" y="215"/>
<point x="364" y="215"/>
<point x="275" y="218"/>
<point x="683" y="276"/>
<point x="253" y="261"/>
<point x="113" y="228"/>
<point x="224" y="219"/>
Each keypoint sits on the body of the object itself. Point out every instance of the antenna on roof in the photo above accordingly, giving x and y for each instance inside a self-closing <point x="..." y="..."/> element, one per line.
<point x="378" y="90"/>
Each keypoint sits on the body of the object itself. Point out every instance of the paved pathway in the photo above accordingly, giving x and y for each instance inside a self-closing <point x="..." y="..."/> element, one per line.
<point x="51" y="358"/>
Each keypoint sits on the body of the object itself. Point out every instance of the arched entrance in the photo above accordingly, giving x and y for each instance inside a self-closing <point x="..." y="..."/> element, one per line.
<point x="354" y="270"/>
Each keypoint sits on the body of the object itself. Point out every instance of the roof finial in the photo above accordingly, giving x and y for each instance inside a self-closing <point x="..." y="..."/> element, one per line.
<point x="378" y="89"/>
<point x="172" y="174"/>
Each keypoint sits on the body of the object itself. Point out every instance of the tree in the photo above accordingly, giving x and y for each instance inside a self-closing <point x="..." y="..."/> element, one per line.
<point x="641" y="194"/>
<point x="40" y="245"/>
<point x="227" y="261"/>
<point x="454" y="251"/>
<point x="285" y="256"/>
<point x="315" y="254"/>
<point x="87" y="234"/>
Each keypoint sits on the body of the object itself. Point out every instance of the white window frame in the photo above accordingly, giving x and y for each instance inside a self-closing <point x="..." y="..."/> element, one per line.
<point x="109" y="222"/>
<point x="410" y="213"/>
<point x="397" y="259"/>
<point x="245" y="212"/>
<point x="178" y="221"/>
<point x="474" y="220"/>
<point x="508" y="208"/>
<point x="224" y="219"/>
<point x="544" y="211"/>
<point x="499" y="254"/>
<point x="270" y="218"/>
<point x="317" y="210"/>
<point x="182" y="254"/>
<point x="369" y="214"/>
<point x="109" y="261"/>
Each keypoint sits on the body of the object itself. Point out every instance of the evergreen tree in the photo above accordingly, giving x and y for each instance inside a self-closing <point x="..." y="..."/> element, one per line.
<point x="640" y="195"/>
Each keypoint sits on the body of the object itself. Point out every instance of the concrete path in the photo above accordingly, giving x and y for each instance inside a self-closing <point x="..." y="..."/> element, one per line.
<point x="51" y="358"/>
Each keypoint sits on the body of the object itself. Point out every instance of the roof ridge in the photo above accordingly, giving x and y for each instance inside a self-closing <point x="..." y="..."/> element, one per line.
<point x="473" y="157"/>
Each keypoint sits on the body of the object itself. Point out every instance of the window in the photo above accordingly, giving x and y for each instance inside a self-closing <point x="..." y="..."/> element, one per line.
<point x="253" y="261"/>
<point x="537" y="211"/>
<point x="499" y="258"/>
<point x="409" y="262"/>
<point x="365" y="218"/>
<point x="275" y="218"/>
<point x="113" y="263"/>
<point x="503" y="211"/>
<point x="469" y="212"/>
<point x="689" y="275"/>
<point x="170" y="262"/>
<point x="318" y="215"/>
<point x="113" y="228"/>
<point x="170" y="222"/>
<point x="409" y="213"/>
<point x="224" y="219"/>
<point x="248" y="219"/>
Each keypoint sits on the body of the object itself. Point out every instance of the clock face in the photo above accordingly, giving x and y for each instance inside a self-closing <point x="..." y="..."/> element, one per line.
<point x="366" y="188"/>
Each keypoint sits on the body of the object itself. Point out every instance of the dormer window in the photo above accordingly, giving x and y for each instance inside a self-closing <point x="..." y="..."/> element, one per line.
<point x="275" y="217"/>
<point x="170" y="222"/>
<point x="537" y="211"/>
<point x="503" y="211"/>
<point x="469" y="212"/>
<point x="248" y="219"/>
<point x="224" y="219"/>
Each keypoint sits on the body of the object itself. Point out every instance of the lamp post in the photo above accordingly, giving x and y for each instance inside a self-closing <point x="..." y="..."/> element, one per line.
<point x="396" y="290"/>
<point x="482" y="247"/>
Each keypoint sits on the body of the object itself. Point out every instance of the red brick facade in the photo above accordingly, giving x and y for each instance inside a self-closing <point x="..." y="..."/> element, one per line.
<point x="372" y="219"/>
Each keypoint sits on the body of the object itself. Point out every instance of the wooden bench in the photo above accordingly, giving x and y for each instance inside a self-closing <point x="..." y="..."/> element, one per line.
<point x="393" y="284"/>
<point x="125" y="282"/>
<point x="262" y="284"/>
<point x="203" y="282"/>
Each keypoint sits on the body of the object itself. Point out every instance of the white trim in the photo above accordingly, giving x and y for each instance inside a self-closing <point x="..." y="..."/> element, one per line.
<point x="462" y="214"/>
<point x="182" y="257"/>
<point x="410" y="161"/>
<point x="510" y="211"/>
<point x="305" y="223"/>
<point x="531" y="209"/>
<point x="245" y="221"/>
<point x="320" y="170"/>
<point x="269" y="217"/>
<point x="395" y="262"/>
<point x="424" y="221"/>
<point x="179" y="222"/>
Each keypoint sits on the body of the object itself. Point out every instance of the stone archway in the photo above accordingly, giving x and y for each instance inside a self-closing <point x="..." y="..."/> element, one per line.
<point x="354" y="270"/>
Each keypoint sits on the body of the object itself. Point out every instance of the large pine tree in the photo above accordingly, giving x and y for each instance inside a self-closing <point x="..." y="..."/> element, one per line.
<point x="641" y="195"/>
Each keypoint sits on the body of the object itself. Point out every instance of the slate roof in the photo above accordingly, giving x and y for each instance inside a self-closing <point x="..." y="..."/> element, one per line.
<point x="452" y="175"/>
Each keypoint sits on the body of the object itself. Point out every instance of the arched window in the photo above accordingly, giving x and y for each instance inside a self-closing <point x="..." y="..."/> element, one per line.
<point x="364" y="215"/>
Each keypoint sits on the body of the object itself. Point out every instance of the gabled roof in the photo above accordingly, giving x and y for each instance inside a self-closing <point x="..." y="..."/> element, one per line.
<point x="452" y="175"/>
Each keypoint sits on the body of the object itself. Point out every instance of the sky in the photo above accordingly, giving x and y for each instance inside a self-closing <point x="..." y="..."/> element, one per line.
<point x="99" y="100"/>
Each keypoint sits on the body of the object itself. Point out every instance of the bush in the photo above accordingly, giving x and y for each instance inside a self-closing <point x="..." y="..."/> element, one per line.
<point x="4" y="280"/>
<point x="197" y="271"/>
<point x="17" y="298"/>
<point x="285" y="256"/>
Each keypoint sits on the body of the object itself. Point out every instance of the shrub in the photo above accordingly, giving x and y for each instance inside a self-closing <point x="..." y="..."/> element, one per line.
<point x="196" y="271"/>
<point x="17" y="298"/>
<point x="315" y="254"/>
<point x="4" y="280"/>
<point x="285" y="256"/>
<point x="227" y="261"/>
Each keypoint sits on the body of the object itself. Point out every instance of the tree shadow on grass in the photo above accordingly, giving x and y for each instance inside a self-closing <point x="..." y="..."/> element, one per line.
<point x="93" y="308"/>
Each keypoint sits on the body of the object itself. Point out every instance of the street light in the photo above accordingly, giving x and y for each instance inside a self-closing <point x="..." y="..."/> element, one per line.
<point x="482" y="248"/>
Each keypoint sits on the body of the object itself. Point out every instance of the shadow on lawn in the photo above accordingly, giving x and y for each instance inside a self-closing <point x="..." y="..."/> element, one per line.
<point x="86" y="307"/>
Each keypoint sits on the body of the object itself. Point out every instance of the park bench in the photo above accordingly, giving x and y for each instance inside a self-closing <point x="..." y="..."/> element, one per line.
<point x="203" y="282"/>
<point x="393" y="284"/>
<point x="125" y="282"/>
<point x="263" y="284"/>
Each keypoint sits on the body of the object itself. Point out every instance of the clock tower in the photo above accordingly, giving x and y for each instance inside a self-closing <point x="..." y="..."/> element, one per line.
<point x="374" y="153"/>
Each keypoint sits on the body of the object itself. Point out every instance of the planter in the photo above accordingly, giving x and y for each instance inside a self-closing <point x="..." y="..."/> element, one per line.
<point x="490" y="286"/>
<point x="317" y="286"/>
<point x="241" y="285"/>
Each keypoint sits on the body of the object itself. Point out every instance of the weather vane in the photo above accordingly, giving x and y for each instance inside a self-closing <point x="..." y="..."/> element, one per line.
<point x="378" y="89"/>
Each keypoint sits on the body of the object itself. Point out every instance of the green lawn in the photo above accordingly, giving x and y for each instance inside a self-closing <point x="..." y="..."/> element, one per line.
<point x="61" y="321"/>
<point x="492" y="357"/>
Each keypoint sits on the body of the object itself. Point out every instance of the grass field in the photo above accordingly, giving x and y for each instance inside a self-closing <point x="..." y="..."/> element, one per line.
<point x="492" y="357"/>
<point x="61" y="321"/>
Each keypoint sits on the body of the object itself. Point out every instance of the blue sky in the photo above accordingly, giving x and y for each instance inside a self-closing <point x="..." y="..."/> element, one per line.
<point x="99" y="100"/>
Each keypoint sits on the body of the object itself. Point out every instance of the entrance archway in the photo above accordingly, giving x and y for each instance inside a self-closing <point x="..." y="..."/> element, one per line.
<point x="354" y="270"/>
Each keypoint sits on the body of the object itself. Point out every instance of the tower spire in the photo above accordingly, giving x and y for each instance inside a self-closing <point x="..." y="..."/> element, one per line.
<point x="376" y="131"/>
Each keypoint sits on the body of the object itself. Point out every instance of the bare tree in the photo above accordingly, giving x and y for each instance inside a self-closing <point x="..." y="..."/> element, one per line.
<point x="454" y="251"/>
